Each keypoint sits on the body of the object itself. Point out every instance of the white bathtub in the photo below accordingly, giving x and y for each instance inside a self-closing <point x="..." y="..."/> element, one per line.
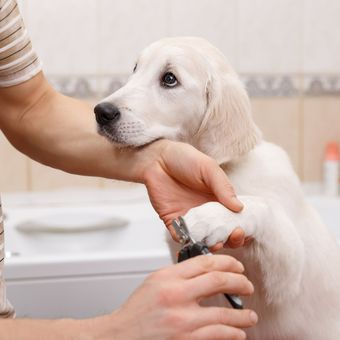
<point x="82" y="274"/>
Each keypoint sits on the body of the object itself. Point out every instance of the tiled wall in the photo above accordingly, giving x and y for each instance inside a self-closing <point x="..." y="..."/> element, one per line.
<point x="258" y="36"/>
<point x="287" y="52"/>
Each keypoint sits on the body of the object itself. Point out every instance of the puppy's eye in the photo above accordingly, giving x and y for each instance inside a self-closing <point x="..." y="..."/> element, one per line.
<point x="135" y="68"/>
<point x="169" y="80"/>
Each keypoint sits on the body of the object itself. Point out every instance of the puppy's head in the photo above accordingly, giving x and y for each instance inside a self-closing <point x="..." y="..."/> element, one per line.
<point x="181" y="89"/>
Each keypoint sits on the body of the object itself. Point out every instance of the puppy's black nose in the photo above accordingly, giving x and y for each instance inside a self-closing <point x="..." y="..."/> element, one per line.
<point x="106" y="113"/>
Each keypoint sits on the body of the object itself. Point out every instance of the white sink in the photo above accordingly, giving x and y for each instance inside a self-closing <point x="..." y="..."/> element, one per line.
<point x="64" y="265"/>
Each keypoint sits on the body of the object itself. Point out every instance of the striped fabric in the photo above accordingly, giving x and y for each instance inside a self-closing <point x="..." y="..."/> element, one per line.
<point x="18" y="61"/>
<point x="6" y="309"/>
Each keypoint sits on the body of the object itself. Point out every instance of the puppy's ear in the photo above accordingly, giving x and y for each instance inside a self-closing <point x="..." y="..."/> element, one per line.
<point x="227" y="130"/>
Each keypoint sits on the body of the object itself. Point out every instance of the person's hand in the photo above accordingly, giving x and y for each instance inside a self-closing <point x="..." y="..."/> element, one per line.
<point x="178" y="177"/>
<point x="166" y="305"/>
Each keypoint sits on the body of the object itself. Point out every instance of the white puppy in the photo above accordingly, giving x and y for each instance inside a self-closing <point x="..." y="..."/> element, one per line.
<point x="184" y="89"/>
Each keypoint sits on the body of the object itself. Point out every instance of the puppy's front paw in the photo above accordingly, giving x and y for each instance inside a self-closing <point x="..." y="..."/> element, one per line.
<point x="211" y="223"/>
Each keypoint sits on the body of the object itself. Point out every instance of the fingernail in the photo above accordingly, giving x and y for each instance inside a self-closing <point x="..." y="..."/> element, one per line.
<point x="252" y="286"/>
<point x="241" y="265"/>
<point x="237" y="202"/>
<point x="243" y="335"/>
<point x="253" y="317"/>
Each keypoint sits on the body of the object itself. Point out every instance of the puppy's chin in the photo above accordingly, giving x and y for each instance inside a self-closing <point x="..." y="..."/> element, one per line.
<point x="123" y="141"/>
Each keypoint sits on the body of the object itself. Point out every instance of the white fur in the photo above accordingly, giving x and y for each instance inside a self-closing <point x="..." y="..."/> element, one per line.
<point x="293" y="261"/>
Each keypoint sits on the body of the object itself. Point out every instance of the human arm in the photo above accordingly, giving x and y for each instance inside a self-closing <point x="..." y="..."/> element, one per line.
<point x="165" y="306"/>
<point x="60" y="132"/>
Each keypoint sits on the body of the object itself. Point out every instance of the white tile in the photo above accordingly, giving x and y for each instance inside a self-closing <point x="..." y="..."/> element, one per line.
<point x="214" y="20"/>
<point x="64" y="34"/>
<point x="279" y="119"/>
<point x="321" y="36"/>
<point x="321" y="126"/>
<point x="270" y="36"/>
<point x="125" y="27"/>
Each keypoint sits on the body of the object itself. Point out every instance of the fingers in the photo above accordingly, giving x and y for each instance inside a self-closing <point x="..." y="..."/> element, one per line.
<point x="236" y="239"/>
<point x="225" y="316"/>
<point x="220" y="185"/>
<point x="217" y="332"/>
<point x="213" y="283"/>
<point x="203" y="264"/>
<point x="218" y="246"/>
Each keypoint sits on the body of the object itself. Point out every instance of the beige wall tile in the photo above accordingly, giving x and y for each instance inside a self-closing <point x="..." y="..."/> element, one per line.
<point x="13" y="167"/>
<point x="321" y="118"/>
<point x="46" y="178"/>
<point x="279" y="120"/>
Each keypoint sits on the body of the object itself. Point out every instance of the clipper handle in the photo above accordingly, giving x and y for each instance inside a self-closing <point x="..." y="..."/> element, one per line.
<point x="199" y="248"/>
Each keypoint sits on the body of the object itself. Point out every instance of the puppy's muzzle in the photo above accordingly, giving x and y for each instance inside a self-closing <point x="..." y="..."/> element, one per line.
<point x="106" y="113"/>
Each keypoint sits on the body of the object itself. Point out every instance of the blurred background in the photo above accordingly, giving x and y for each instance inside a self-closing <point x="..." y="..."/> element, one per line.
<point x="286" y="51"/>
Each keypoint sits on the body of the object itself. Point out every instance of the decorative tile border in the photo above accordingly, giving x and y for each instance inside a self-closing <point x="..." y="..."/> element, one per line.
<point x="257" y="85"/>
<point x="271" y="85"/>
<point x="322" y="85"/>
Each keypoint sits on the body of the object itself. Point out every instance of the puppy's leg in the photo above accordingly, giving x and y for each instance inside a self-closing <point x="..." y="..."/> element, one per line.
<point x="277" y="246"/>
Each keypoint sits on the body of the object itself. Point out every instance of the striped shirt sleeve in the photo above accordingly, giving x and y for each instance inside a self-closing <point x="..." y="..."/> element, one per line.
<point x="18" y="61"/>
<point x="6" y="309"/>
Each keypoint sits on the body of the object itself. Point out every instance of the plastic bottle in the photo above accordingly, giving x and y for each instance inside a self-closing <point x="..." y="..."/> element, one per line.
<point x="331" y="167"/>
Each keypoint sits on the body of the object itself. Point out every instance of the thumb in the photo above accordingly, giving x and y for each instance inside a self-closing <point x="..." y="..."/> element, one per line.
<point x="222" y="188"/>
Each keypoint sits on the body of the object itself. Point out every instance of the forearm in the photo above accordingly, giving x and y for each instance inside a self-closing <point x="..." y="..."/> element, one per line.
<point x="103" y="327"/>
<point x="26" y="329"/>
<point x="60" y="132"/>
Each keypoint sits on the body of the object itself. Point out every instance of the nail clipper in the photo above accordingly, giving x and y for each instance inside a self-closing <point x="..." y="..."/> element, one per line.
<point x="191" y="248"/>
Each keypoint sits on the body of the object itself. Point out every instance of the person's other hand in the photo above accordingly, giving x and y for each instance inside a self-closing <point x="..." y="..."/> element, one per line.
<point x="166" y="305"/>
<point x="178" y="177"/>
